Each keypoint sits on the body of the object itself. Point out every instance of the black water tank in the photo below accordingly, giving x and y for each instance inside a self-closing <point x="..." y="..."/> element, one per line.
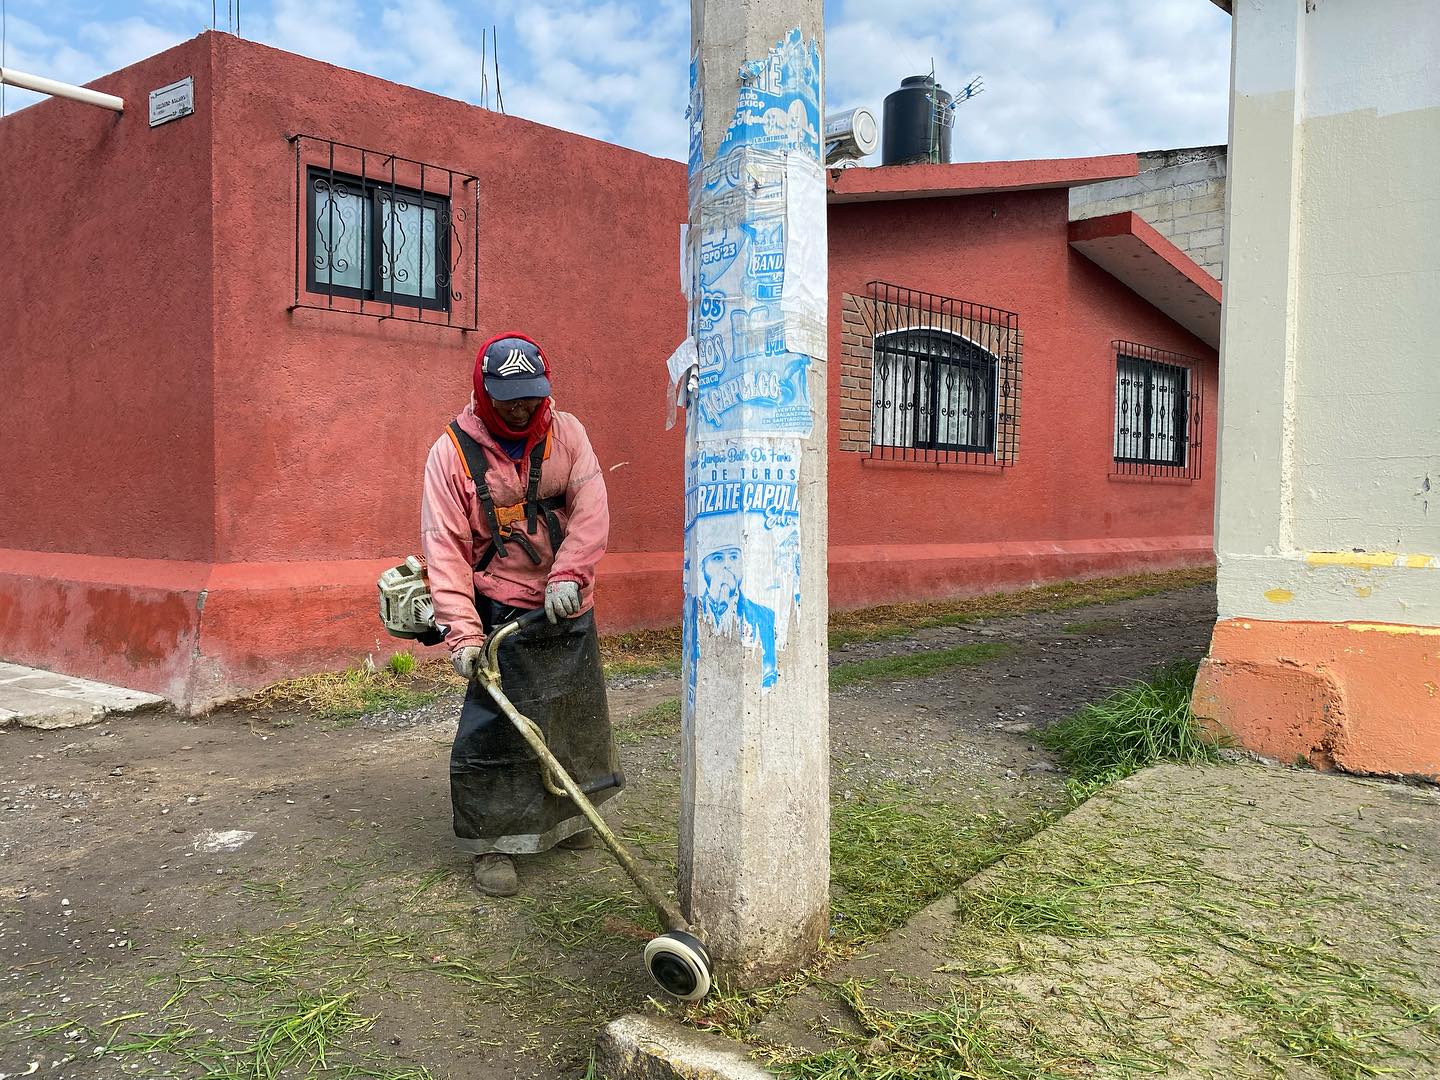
<point x="917" y="123"/>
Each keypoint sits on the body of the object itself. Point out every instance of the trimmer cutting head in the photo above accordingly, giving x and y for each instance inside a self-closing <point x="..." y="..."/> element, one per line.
<point x="678" y="962"/>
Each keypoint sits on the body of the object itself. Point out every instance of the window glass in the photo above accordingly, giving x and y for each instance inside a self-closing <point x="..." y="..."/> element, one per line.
<point x="342" y="226"/>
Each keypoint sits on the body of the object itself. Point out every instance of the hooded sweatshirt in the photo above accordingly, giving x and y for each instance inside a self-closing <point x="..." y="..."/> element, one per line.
<point x="454" y="534"/>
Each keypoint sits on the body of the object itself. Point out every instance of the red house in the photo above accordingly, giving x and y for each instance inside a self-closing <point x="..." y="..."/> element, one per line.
<point x="229" y="339"/>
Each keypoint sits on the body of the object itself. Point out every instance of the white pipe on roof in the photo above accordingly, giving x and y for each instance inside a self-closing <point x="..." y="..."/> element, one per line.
<point x="42" y="85"/>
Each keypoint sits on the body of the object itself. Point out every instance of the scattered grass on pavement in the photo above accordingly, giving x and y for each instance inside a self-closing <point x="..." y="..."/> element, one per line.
<point x="965" y="1036"/>
<point x="895" y="850"/>
<point x="1131" y="727"/>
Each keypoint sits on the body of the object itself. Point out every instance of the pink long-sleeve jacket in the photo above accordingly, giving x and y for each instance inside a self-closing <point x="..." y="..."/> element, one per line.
<point x="453" y="531"/>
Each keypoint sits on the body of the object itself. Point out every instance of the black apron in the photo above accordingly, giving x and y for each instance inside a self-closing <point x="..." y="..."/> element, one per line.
<point x="552" y="674"/>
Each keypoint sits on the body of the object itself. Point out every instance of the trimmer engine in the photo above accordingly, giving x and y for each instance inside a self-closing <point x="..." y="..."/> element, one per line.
<point x="406" y="608"/>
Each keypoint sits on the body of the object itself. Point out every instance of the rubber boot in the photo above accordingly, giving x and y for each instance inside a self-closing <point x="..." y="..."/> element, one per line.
<point x="580" y="841"/>
<point x="495" y="875"/>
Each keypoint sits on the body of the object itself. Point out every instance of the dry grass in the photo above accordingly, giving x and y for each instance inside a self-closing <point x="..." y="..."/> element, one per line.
<point x="342" y="695"/>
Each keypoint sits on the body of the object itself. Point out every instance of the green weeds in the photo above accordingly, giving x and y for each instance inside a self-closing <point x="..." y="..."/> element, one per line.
<point x="1130" y="728"/>
<point x="914" y="665"/>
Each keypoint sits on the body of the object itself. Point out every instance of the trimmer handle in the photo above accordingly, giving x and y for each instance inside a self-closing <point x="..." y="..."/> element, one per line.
<point x="503" y="631"/>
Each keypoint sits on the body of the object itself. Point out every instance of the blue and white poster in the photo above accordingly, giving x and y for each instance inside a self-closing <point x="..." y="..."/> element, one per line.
<point x="754" y="266"/>
<point x="742" y="531"/>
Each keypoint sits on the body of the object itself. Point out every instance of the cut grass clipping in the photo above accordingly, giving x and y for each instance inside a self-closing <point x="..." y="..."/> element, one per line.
<point x="1129" y="728"/>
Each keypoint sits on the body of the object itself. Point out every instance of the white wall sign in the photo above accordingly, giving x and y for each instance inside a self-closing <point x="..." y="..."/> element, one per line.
<point x="172" y="102"/>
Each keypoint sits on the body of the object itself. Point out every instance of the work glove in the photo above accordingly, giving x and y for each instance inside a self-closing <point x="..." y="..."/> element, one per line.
<point x="466" y="661"/>
<point x="562" y="600"/>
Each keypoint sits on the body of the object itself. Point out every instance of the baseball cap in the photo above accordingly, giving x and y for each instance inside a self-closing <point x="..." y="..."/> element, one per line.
<point x="514" y="367"/>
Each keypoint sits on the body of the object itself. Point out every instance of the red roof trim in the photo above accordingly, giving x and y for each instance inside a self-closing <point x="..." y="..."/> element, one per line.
<point x="1129" y="223"/>
<point x="891" y="182"/>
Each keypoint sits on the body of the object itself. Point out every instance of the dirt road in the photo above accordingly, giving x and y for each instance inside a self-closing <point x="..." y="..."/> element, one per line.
<point x="226" y="896"/>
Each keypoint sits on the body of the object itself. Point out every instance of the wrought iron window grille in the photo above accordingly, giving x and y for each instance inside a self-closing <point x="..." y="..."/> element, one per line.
<point x="1159" y="414"/>
<point x="945" y="378"/>
<point x="384" y="236"/>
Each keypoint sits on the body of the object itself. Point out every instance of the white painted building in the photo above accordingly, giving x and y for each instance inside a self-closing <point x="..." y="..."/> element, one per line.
<point x="1328" y="504"/>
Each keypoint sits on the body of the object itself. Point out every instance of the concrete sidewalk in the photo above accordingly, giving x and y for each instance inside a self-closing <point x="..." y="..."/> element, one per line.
<point x="30" y="697"/>
<point x="1221" y="921"/>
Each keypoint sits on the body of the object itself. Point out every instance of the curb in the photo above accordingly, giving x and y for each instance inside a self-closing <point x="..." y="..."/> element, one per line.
<point x="635" y="1047"/>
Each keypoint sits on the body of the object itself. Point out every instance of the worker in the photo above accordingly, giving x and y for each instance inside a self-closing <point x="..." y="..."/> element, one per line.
<point x="514" y="518"/>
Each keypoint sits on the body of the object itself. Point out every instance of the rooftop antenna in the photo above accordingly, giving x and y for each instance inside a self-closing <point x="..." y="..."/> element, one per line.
<point x="499" y="94"/>
<point x="484" y="78"/>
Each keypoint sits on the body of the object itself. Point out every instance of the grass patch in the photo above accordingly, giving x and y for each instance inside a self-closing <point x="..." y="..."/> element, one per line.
<point x="896" y="851"/>
<point x="344" y="695"/>
<point x="1131" y="727"/>
<point x="662" y="718"/>
<point x="898" y="620"/>
<point x="401" y="663"/>
<point x="918" y="665"/>
<point x="586" y="918"/>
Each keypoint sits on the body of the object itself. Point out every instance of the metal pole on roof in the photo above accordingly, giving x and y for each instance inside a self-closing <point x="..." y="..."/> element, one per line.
<point x="754" y="786"/>
<point x="41" y="85"/>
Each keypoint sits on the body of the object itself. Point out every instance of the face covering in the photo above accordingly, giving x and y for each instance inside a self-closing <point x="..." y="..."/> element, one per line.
<point x="529" y="435"/>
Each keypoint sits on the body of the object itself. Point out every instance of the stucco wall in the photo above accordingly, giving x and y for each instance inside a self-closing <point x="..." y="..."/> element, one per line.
<point x="904" y="528"/>
<point x="1327" y="531"/>
<point x="224" y="525"/>
<point x="1330" y="452"/>
<point x="105" y="290"/>
<point x="1180" y="192"/>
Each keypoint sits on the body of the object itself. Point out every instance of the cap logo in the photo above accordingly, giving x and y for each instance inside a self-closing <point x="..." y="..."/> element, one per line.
<point x="515" y="361"/>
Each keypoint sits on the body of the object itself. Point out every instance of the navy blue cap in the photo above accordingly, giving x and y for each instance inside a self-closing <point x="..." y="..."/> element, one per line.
<point x="513" y="367"/>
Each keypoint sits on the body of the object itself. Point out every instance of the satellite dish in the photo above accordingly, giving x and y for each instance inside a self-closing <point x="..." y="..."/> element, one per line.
<point x="850" y="135"/>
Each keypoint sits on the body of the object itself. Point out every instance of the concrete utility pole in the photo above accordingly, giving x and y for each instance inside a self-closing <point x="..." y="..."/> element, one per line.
<point x="754" y="831"/>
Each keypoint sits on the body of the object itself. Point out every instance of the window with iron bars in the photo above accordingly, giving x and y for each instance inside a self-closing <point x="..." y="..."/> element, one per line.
<point x="944" y="378"/>
<point x="1157" y="412"/>
<point x="372" y="241"/>
<point x="933" y="391"/>
<point x="385" y="236"/>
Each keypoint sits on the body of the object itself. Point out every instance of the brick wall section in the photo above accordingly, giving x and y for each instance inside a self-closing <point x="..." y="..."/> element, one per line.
<point x="856" y="356"/>
<point x="862" y="317"/>
<point x="1180" y="192"/>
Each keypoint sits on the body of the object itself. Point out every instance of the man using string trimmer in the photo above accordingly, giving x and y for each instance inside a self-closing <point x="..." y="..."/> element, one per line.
<point x="514" y="518"/>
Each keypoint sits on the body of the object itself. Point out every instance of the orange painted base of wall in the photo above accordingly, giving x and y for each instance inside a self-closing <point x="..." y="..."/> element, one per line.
<point x="199" y="634"/>
<point x="1360" y="697"/>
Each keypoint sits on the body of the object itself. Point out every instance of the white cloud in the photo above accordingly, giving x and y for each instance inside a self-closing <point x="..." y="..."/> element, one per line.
<point x="1104" y="77"/>
<point x="1061" y="78"/>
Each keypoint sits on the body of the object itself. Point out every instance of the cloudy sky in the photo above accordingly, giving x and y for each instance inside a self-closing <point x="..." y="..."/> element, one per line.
<point x="1061" y="77"/>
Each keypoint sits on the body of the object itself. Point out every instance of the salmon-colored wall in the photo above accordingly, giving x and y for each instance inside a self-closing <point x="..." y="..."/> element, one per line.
<point x="1057" y="511"/>
<point x="184" y="434"/>
<point x="324" y="419"/>
<point x="105" y="282"/>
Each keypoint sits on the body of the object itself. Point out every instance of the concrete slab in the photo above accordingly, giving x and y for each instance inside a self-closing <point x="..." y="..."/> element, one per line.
<point x="30" y="697"/>
<point x="646" y="1048"/>
<point x="1190" y="921"/>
